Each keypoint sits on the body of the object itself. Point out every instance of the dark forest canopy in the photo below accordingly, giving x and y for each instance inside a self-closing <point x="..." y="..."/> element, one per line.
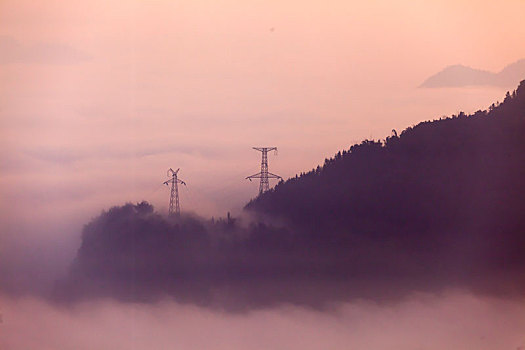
<point x="439" y="206"/>
<point x="464" y="172"/>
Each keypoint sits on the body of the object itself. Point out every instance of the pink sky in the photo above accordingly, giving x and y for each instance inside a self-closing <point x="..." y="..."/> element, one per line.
<point x="100" y="99"/>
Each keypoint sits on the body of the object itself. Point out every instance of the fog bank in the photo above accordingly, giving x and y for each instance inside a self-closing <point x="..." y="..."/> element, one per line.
<point x="453" y="320"/>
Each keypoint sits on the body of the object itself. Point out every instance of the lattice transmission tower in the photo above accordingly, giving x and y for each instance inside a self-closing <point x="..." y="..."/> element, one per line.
<point x="174" y="208"/>
<point x="264" y="175"/>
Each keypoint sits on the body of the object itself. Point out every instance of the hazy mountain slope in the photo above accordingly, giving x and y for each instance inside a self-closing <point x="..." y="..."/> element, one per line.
<point x="459" y="75"/>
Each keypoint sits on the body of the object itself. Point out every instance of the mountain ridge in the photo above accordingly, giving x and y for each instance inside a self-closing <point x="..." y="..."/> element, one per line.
<point x="461" y="76"/>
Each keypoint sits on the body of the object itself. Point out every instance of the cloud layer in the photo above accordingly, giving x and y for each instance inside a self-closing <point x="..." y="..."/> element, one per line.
<point x="449" y="321"/>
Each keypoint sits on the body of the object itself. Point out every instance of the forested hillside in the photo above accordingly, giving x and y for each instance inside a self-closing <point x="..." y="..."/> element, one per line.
<point x="457" y="182"/>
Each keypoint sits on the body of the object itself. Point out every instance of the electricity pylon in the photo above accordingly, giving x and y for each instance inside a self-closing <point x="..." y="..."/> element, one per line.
<point x="264" y="175"/>
<point x="174" y="197"/>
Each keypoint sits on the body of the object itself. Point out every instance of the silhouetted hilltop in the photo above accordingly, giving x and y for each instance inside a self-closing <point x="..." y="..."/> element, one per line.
<point x="460" y="75"/>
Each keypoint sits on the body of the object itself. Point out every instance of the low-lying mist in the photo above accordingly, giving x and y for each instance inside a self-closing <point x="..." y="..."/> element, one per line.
<point x="452" y="320"/>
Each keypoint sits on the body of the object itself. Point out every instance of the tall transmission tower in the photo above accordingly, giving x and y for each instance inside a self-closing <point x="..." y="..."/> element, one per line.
<point x="264" y="175"/>
<point x="174" y="208"/>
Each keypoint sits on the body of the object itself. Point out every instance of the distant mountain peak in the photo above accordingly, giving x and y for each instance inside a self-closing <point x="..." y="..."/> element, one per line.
<point x="459" y="75"/>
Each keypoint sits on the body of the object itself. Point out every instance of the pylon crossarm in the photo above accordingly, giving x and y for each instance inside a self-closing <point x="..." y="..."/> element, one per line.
<point x="265" y="149"/>
<point x="254" y="176"/>
<point x="273" y="176"/>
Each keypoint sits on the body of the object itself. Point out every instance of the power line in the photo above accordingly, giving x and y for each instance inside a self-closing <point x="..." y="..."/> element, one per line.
<point x="264" y="174"/>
